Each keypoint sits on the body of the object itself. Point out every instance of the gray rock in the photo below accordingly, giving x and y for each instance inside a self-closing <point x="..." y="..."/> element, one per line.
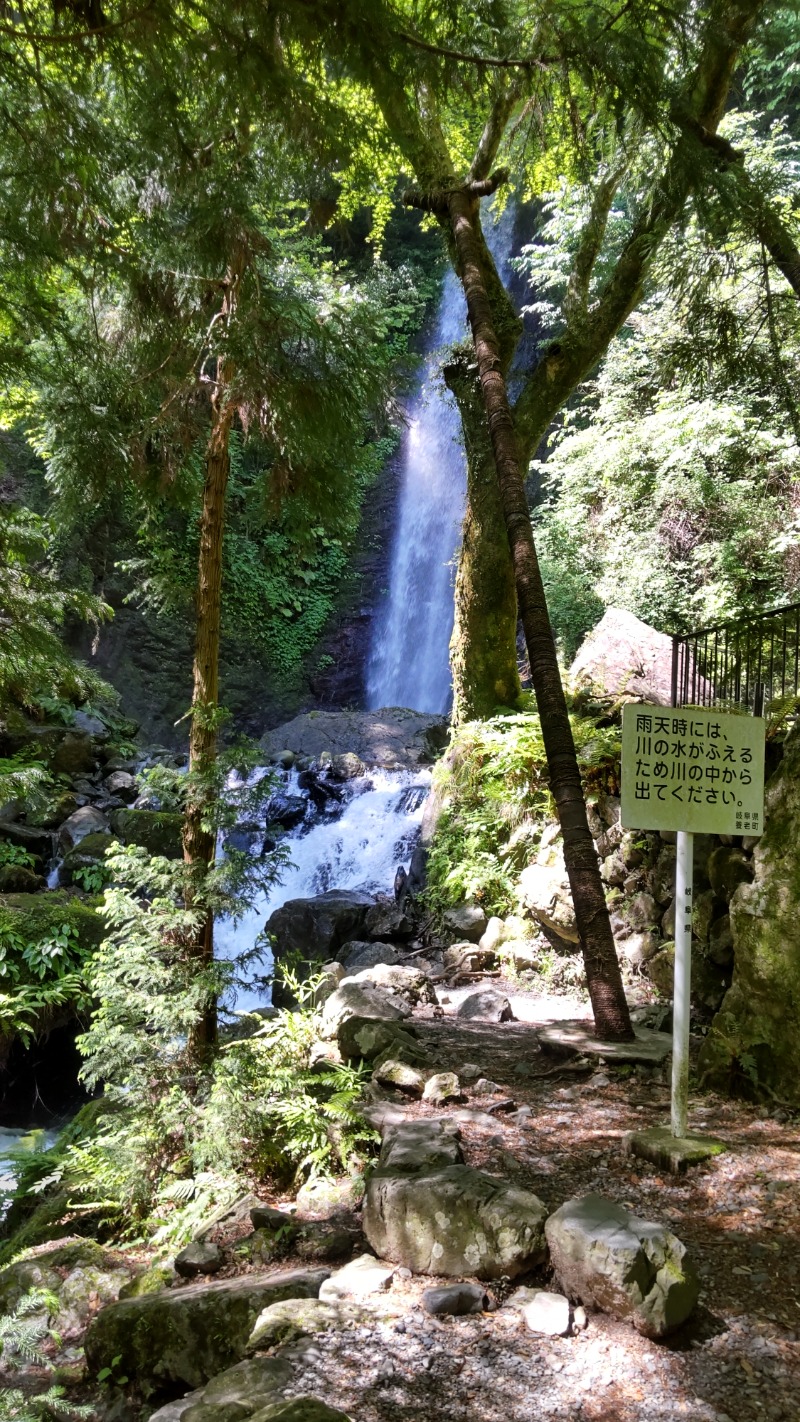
<point x="317" y="928"/>
<point x="198" y="1258"/>
<point x="400" y="1075"/>
<point x="494" y="935"/>
<point x="123" y="785"/>
<point x="189" y="1335"/>
<point x="662" y="876"/>
<point x="543" y="1312"/>
<point x="443" y="1086"/>
<point x="173" y="1411"/>
<point x="387" y="921"/>
<point x="296" y="1318"/>
<point x="83" y="822"/>
<point x="612" y="869"/>
<point x="247" y="1387"/>
<point x="454" y="1221"/>
<point x="90" y="725"/>
<point x="301" y="1409"/>
<point x="728" y="867"/>
<point x="389" y="738"/>
<point x="267" y="1217"/>
<point x="421" y="1145"/>
<point x="640" y="948"/>
<point x="455" y="1299"/>
<point x="355" y="999"/>
<point x="364" y="1038"/>
<point x="347" y="766"/>
<point x="330" y="1197"/>
<point x="364" y="1275"/>
<point x="641" y="912"/>
<point x="607" y="1258"/>
<point x="467" y="921"/>
<point x="623" y="655"/>
<point x="357" y="956"/>
<point x="409" y="983"/>
<point x="487" y="1006"/>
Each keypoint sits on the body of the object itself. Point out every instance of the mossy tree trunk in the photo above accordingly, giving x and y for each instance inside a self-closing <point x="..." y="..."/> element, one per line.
<point x="603" y="976"/>
<point x="483" y="646"/>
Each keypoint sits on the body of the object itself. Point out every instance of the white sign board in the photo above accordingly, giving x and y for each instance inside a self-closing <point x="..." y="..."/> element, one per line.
<point x="700" y="771"/>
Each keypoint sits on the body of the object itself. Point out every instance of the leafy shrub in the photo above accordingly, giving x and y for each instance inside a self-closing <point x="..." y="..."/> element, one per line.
<point x="496" y="799"/>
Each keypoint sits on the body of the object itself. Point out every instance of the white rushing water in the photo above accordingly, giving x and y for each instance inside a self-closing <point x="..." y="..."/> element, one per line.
<point x="409" y="661"/>
<point x="358" y="848"/>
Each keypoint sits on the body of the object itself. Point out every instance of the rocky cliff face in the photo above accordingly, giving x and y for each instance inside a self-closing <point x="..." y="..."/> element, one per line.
<point x="756" y="1033"/>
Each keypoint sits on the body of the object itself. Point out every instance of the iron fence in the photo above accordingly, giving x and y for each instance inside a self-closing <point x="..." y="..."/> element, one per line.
<point x="739" y="665"/>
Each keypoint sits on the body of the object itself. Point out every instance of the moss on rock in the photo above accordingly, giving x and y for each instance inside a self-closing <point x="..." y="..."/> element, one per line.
<point x="157" y="831"/>
<point x="35" y="918"/>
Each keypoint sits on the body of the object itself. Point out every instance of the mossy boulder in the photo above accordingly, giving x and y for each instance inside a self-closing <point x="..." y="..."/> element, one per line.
<point x="39" y="917"/>
<point x="79" y="1275"/>
<point x="189" y="1335"/>
<point x="755" y="1037"/>
<point x="89" y="854"/>
<point x="157" y="831"/>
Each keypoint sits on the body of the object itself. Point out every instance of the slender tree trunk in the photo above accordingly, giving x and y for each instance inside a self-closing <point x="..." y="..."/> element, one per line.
<point x="604" y="979"/>
<point x="483" y="648"/>
<point x="198" y="842"/>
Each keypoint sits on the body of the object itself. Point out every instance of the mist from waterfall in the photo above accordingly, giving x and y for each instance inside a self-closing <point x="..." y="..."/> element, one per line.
<point x="409" y="661"/>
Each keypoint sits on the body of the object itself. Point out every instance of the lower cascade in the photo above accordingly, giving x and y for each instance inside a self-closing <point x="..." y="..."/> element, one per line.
<point x="355" y="842"/>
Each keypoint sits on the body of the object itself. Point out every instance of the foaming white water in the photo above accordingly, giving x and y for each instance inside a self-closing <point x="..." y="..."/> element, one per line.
<point x="358" y="849"/>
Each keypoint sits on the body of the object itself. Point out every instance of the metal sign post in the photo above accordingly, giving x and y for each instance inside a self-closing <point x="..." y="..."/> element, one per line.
<point x="681" y="992"/>
<point x="692" y="771"/>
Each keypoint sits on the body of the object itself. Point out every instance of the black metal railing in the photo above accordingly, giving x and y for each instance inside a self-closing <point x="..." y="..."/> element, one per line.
<point x="742" y="666"/>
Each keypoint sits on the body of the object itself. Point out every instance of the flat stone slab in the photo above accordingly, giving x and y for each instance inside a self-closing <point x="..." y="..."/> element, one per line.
<point x="674" y="1153"/>
<point x="569" y="1038"/>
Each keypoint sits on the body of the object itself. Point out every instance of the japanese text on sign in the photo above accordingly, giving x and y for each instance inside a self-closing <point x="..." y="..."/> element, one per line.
<point x="701" y="771"/>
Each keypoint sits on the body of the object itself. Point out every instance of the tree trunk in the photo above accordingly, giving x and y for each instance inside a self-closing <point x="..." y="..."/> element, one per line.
<point x="483" y="655"/>
<point x="612" y="1020"/>
<point x="199" y="846"/>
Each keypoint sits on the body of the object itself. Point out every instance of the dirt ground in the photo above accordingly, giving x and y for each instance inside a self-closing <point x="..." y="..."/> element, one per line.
<point x="736" y="1360"/>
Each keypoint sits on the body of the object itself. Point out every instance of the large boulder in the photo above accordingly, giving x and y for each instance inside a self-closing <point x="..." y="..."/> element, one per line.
<point x="317" y="928"/>
<point x="89" y="854"/>
<point x="79" y="1275"/>
<point x="85" y="821"/>
<point x="754" y="1040"/>
<point x="608" y="1259"/>
<point x="622" y="656"/>
<point x="392" y="738"/>
<point x="454" y="1221"/>
<point x="543" y="890"/>
<point x="366" y="1039"/>
<point x="241" y="1391"/>
<point x="157" y="831"/>
<point x="356" y="999"/>
<point x="407" y="982"/>
<point x="189" y="1335"/>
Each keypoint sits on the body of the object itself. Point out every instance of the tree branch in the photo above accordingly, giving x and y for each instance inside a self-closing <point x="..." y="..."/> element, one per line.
<point x="504" y="104"/>
<point x="576" y="300"/>
<point x="568" y="361"/>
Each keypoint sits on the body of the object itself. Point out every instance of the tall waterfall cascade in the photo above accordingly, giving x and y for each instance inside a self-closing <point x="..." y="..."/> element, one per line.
<point x="409" y="663"/>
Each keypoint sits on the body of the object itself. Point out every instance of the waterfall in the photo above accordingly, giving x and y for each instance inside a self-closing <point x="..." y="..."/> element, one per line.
<point x="409" y="661"/>
<point x="356" y="845"/>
